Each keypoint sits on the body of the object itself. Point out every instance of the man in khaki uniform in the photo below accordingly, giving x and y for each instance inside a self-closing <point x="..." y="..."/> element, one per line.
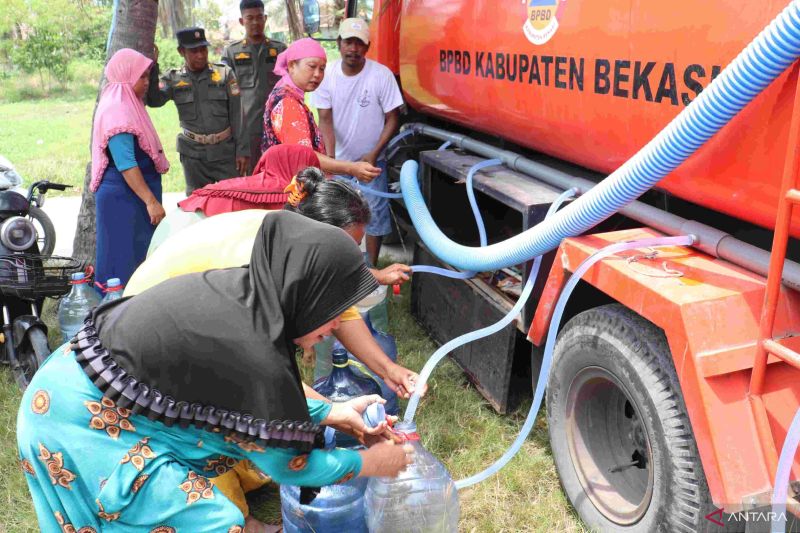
<point x="212" y="144"/>
<point x="252" y="60"/>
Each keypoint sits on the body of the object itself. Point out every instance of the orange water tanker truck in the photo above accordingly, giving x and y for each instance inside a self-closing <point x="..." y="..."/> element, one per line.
<point x="676" y="373"/>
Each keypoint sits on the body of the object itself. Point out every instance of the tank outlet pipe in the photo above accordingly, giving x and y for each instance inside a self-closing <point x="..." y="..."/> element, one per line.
<point x="473" y="202"/>
<point x="440" y="354"/>
<point x="764" y="59"/>
<point x="709" y="240"/>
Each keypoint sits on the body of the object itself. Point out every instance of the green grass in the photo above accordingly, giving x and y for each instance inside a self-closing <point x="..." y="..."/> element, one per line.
<point x="49" y="139"/>
<point x="455" y="423"/>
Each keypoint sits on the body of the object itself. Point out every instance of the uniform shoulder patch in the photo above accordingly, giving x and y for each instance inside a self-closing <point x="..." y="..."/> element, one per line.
<point x="273" y="52"/>
<point x="216" y="76"/>
<point x="235" y="91"/>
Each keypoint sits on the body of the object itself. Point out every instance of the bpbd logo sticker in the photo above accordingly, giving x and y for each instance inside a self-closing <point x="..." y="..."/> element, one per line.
<point x="542" y="21"/>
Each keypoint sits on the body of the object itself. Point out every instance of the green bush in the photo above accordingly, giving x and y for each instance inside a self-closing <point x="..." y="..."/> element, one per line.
<point x="168" y="56"/>
<point x="44" y="52"/>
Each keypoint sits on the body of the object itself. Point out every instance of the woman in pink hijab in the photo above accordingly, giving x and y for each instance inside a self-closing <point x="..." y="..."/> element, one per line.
<point x="127" y="163"/>
<point x="287" y="119"/>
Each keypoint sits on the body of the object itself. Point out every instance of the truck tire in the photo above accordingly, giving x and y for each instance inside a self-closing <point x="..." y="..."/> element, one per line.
<point x="620" y="435"/>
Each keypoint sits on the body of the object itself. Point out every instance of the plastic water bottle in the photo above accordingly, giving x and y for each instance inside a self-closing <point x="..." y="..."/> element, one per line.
<point x="113" y="290"/>
<point x="75" y="306"/>
<point x="389" y="347"/>
<point x="337" y="508"/>
<point x="422" y="499"/>
<point x="375" y="305"/>
<point x="344" y="384"/>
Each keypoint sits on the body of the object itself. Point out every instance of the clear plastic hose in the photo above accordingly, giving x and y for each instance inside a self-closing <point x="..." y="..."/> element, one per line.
<point x="780" y="488"/>
<point x="439" y="354"/>
<point x="552" y="334"/>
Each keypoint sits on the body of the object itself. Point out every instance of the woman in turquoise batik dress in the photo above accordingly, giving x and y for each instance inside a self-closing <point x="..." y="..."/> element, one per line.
<point x="124" y="428"/>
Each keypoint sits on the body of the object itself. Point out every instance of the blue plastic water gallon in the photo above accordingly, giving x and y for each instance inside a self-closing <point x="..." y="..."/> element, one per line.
<point x="75" y="306"/>
<point x="336" y="508"/>
<point x="344" y="384"/>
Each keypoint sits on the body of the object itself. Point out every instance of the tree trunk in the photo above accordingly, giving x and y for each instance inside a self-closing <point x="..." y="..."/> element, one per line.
<point x="294" y="20"/>
<point x="174" y="15"/>
<point x="133" y="26"/>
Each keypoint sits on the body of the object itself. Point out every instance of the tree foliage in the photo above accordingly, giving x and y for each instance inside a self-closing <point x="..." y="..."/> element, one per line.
<point x="34" y="36"/>
<point x="43" y="52"/>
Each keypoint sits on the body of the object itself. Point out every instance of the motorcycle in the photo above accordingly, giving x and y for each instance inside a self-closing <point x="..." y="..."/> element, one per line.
<point x="46" y="232"/>
<point x="27" y="277"/>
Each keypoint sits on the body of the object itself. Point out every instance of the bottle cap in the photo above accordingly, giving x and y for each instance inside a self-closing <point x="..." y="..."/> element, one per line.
<point x="77" y="277"/>
<point x="113" y="285"/>
<point x="406" y="430"/>
<point x="374" y="414"/>
<point x="339" y="357"/>
<point x="396" y="289"/>
<point x="330" y="437"/>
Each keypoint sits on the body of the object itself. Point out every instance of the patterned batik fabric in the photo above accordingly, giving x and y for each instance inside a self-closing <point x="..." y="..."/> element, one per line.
<point x="288" y="120"/>
<point x="93" y="466"/>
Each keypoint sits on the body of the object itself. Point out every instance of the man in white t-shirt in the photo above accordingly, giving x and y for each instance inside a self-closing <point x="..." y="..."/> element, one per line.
<point x="359" y="106"/>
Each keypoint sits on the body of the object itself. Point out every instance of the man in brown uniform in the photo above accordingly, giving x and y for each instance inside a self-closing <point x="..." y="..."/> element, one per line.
<point x="252" y="60"/>
<point x="212" y="144"/>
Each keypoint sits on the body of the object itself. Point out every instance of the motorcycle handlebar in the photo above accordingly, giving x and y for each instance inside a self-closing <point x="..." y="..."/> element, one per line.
<point x="45" y="186"/>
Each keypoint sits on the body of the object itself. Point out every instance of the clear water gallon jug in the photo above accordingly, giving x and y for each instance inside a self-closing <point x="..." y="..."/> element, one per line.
<point x="422" y="499"/>
<point x="74" y="307"/>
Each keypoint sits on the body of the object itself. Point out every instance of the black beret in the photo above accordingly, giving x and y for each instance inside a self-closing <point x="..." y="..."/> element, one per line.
<point x="247" y="4"/>
<point x="191" y="37"/>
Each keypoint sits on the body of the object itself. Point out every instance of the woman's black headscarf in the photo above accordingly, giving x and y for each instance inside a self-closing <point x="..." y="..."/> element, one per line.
<point x="222" y="339"/>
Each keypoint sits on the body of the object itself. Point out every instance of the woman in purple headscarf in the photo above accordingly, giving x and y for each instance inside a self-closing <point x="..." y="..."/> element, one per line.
<point x="287" y="118"/>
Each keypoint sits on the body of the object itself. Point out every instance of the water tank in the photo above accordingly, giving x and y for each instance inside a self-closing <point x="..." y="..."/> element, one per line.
<point x="592" y="82"/>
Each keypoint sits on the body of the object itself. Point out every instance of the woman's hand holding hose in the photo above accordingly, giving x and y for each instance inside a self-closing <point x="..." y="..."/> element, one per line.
<point x="393" y="274"/>
<point x="402" y="381"/>
<point x="363" y="171"/>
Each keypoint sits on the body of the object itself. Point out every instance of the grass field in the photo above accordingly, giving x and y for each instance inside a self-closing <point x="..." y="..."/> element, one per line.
<point x="456" y="424"/>
<point x="49" y="139"/>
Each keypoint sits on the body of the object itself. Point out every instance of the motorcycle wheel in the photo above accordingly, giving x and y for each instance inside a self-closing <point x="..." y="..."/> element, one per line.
<point x="31" y="353"/>
<point x="45" y="230"/>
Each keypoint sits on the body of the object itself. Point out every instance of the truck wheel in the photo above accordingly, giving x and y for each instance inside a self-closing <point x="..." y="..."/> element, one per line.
<point x="620" y="435"/>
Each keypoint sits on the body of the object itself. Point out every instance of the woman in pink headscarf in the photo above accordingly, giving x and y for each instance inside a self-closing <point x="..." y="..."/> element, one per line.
<point x="127" y="163"/>
<point x="287" y="119"/>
